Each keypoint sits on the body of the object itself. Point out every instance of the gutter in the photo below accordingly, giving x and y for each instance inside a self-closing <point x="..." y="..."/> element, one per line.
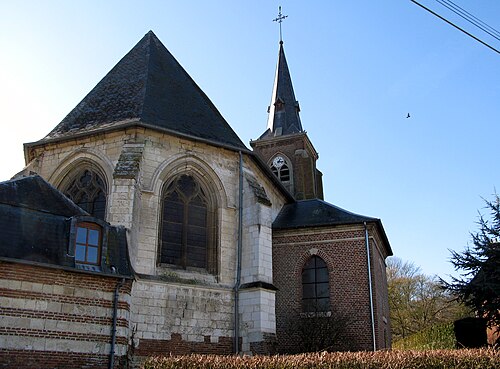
<point x="113" y="328"/>
<point x="370" y="286"/>
<point x="236" y="343"/>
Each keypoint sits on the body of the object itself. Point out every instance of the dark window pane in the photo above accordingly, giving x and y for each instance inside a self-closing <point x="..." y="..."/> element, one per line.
<point x="284" y="173"/>
<point x="93" y="237"/>
<point x="308" y="291"/>
<point x="80" y="253"/>
<point x="320" y="263"/>
<point x="197" y="215"/>
<point x="99" y="206"/>
<point x="173" y="211"/>
<point x="187" y="186"/>
<point x="322" y="275"/>
<point x="81" y="235"/>
<point x="322" y="289"/>
<point x="308" y="276"/>
<point x="92" y="255"/>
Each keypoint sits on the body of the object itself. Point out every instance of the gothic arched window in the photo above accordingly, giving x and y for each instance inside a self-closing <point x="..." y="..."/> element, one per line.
<point x="88" y="191"/>
<point x="187" y="237"/>
<point x="315" y="286"/>
<point x="281" y="169"/>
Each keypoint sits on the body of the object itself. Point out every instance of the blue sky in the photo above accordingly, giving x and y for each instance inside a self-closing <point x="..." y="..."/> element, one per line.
<point x="358" y="69"/>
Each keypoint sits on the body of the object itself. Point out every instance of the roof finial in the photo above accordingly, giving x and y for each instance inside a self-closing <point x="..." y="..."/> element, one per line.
<point x="279" y="19"/>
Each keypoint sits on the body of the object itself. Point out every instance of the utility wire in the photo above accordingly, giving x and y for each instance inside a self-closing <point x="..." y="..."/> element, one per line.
<point x="468" y="18"/>
<point x="457" y="27"/>
<point x="463" y="11"/>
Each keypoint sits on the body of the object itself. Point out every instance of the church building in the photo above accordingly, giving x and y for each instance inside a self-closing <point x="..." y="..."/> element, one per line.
<point x="142" y="225"/>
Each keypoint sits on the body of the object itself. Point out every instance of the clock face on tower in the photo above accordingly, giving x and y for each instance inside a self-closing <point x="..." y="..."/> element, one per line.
<point x="278" y="162"/>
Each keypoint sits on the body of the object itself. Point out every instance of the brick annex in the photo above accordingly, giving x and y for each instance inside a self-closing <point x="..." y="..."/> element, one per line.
<point x="142" y="225"/>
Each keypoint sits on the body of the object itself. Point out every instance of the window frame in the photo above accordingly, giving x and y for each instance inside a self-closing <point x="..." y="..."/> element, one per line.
<point x="315" y="296"/>
<point x="210" y="228"/>
<point x="93" y="223"/>
<point x="89" y="226"/>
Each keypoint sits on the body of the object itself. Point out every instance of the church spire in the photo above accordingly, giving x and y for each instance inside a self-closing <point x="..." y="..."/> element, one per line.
<point x="284" y="110"/>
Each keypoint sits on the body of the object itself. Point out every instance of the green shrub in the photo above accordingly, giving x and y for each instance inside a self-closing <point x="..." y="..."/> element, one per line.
<point x="436" y="359"/>
<point x="439" y="336"/>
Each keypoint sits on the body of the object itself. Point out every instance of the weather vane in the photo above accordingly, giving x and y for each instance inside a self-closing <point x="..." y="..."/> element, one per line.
<point x="279" y="19"/>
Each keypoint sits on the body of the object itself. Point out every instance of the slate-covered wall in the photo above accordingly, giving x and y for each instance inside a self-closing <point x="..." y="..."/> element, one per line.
<point x="53" y="318"/>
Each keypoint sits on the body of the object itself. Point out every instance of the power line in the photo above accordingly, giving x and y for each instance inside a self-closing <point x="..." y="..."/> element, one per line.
<point x="469" y="18"/>
<point x="472" y="16"/>
<point x="454" y="25"/>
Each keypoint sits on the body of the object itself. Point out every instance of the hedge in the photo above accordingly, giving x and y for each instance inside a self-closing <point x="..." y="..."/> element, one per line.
<point x="396" y="359"/>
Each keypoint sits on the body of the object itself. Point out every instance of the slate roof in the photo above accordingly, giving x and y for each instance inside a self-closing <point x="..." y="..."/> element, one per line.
<point x="150" y="88"/>
<point x="284" y="110"/>
<point x="35" y="193"/>
<point x="319" y="213"/>
<point x="315" y="212"/>
<point x="35" y="219"/>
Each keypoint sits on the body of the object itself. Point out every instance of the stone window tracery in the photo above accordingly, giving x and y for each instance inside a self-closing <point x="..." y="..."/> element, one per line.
<point x="280" y="168"/>
<point x="88" y="191"/>
<point x="187" y="232"/>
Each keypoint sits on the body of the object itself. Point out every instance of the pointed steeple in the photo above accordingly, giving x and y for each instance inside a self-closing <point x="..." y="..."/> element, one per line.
<point x="149" y="88"/>
<point x="284" y="109"/>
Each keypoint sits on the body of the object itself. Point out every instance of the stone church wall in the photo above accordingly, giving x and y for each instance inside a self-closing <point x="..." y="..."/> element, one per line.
<point x="56" y="318"/>
<point x="174" y="309"/>
<point x="344" y="251"/>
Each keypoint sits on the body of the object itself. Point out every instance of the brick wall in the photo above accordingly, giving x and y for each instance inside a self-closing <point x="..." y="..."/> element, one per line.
<point x="54" y="318"/>
<point x="344" y="251"/>
<point x="302" y="158"/>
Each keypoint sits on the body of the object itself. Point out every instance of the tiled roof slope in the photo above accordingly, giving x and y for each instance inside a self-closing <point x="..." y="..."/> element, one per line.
<point x="150" y="87"/>
<point x="319" y="213"/>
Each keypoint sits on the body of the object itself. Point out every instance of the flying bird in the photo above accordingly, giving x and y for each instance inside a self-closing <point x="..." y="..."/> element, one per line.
<point x="408" y="115"/>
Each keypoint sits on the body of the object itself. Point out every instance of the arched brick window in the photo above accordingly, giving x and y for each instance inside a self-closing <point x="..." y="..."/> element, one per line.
<point x="315" y="286"/>
<point x="187" y="232"/>
<point x="88" y="191"/>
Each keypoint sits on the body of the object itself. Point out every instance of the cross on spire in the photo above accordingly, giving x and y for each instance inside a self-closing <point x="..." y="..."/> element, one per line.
<point x="279" y="19"/>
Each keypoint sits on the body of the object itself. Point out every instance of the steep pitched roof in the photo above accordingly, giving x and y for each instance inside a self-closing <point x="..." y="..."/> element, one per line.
<point x="149" y="87"/>
<point x="284" y="110"/>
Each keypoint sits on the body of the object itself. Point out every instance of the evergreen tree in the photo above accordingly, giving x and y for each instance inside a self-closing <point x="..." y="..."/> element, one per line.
<point x="479" y="283"/>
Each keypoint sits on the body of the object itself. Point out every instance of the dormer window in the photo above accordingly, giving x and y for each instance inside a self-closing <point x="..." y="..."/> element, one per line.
<point x="88" y="243"/>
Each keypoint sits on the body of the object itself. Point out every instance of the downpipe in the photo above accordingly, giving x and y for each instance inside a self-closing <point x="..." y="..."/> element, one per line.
<point x="236" y="343"/>
<point x="367" y="243"/>
<point x="113" y="328"/>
